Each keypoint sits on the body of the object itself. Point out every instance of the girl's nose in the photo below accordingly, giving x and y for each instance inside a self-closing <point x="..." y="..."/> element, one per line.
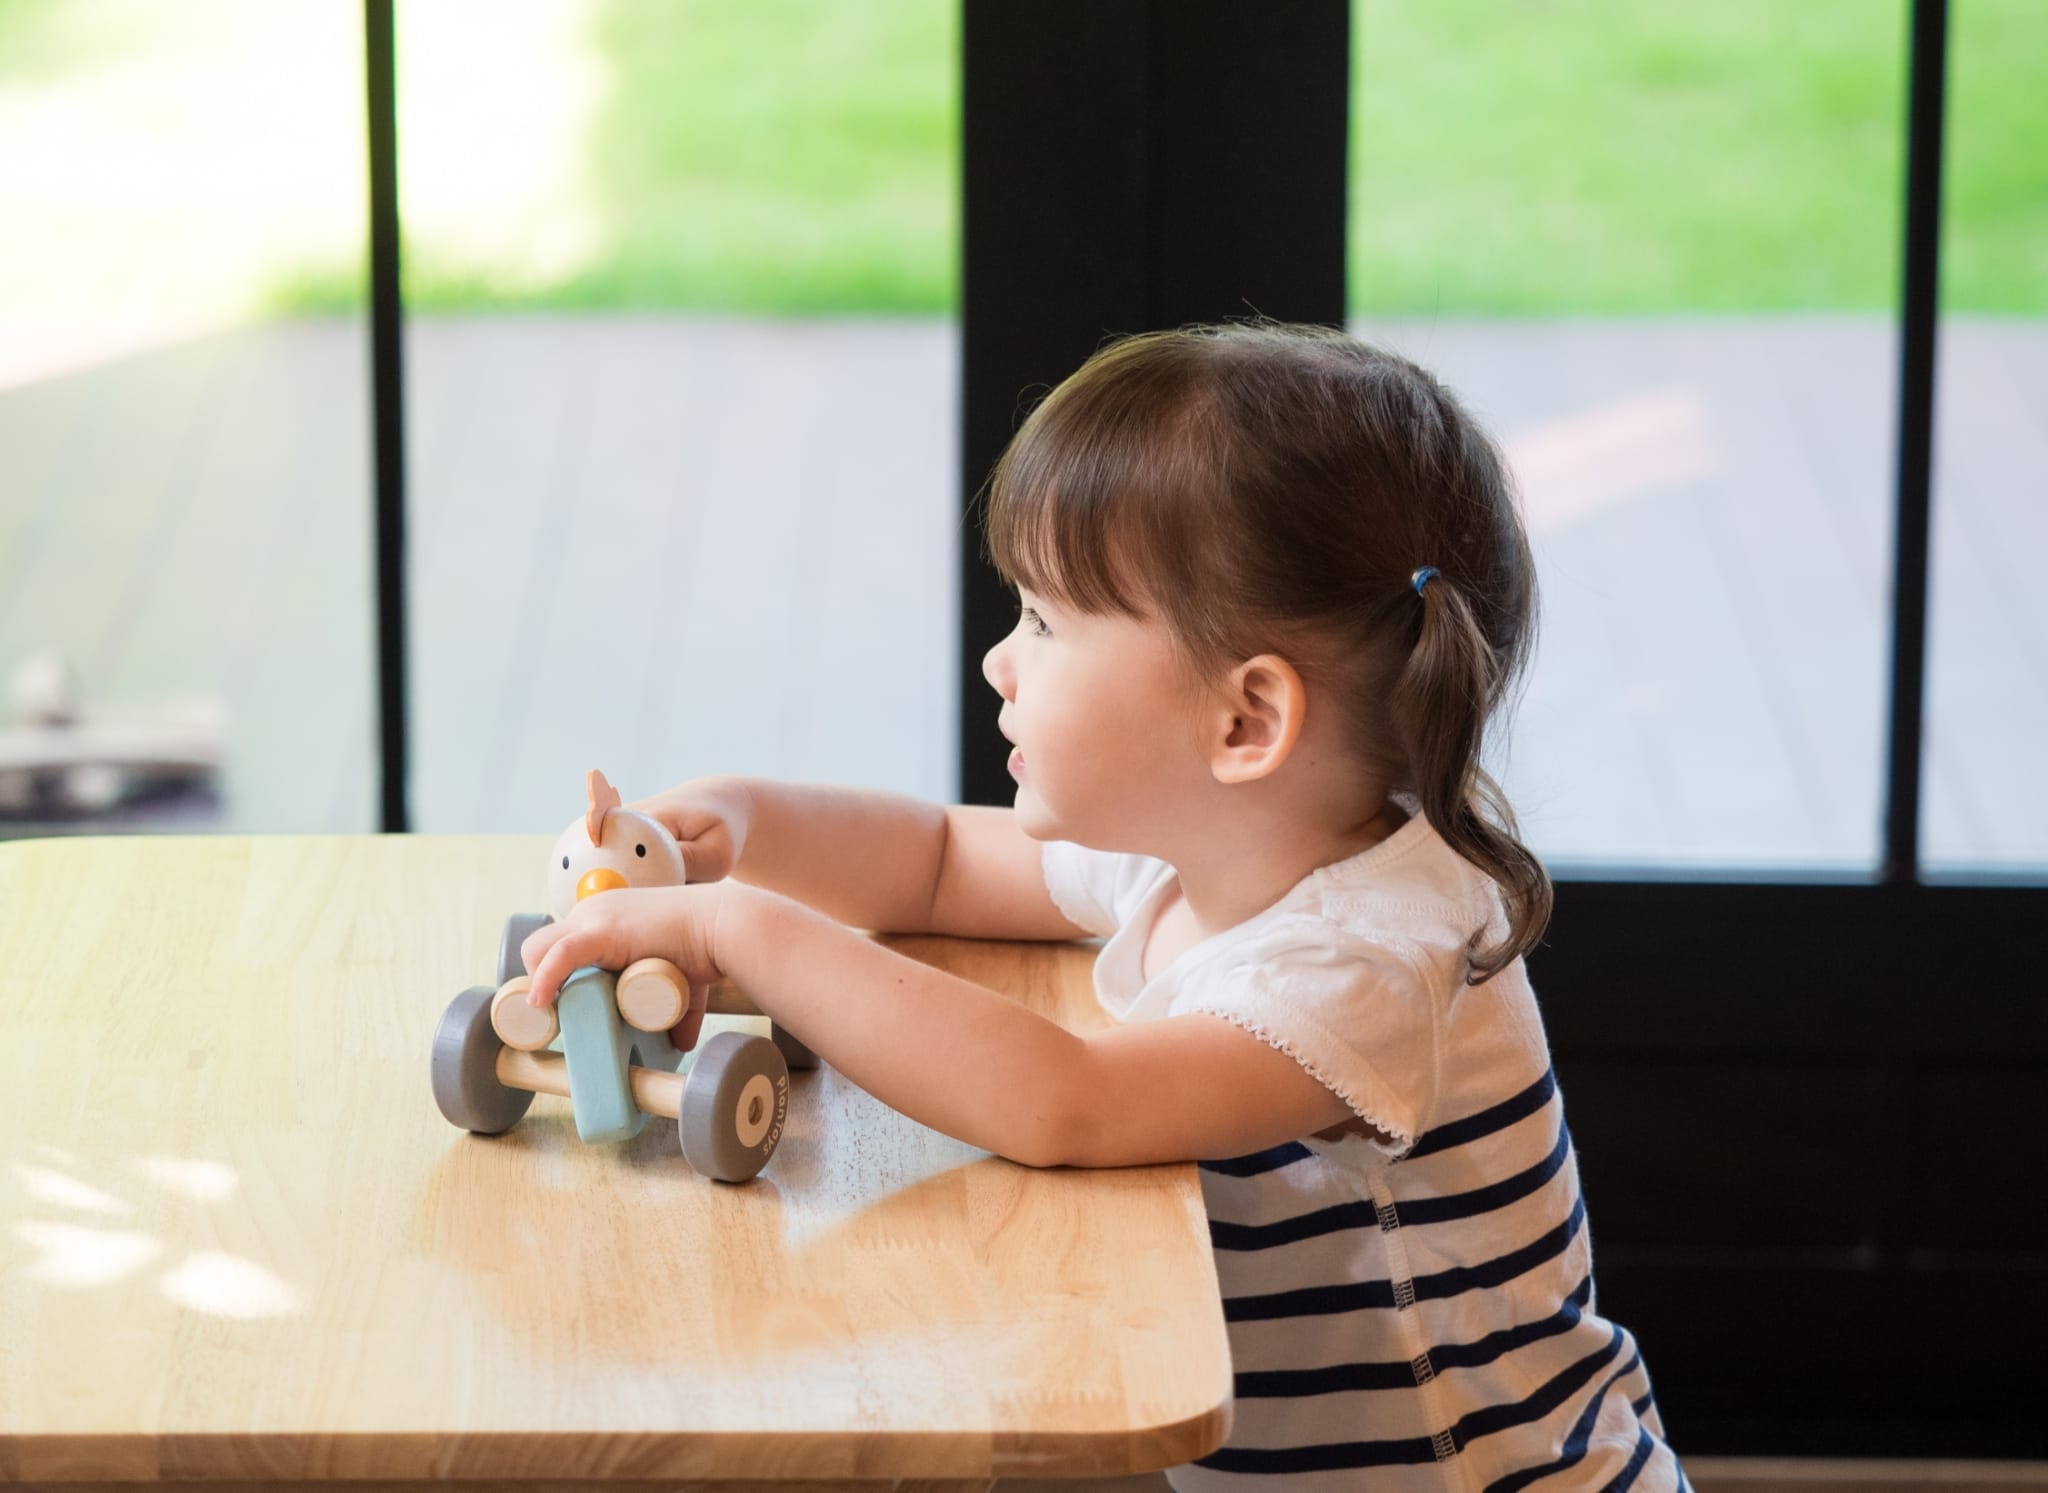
<point x="995" y="668"/>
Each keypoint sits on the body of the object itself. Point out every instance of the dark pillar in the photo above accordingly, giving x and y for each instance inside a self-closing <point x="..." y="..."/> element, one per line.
<point x="1129" y="165"/>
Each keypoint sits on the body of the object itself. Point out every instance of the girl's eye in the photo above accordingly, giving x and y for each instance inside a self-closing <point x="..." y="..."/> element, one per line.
<point x="1034" y="624"/>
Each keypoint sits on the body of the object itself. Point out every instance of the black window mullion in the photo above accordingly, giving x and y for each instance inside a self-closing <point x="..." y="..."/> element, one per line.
<point x="387" y="405"/>
<point x="1927" y="68"/>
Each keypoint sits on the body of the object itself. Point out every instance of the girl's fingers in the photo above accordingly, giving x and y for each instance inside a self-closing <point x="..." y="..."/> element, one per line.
<point x="707" y="854"/>
<point x="537" y="943"/>
<point x="555" y="966"/>
<point x="610" y="930"/>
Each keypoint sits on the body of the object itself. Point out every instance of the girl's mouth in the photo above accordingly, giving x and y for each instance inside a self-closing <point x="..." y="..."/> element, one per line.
<point x="1017" y="762"/>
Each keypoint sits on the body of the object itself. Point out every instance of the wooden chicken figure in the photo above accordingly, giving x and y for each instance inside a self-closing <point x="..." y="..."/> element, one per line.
<point x="609" y="847"/>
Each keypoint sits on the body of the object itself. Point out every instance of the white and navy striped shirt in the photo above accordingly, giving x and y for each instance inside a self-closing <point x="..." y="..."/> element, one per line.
<point x="1414" y="1313"/>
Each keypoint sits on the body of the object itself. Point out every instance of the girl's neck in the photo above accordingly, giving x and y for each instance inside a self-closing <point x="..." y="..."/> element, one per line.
<point x="1227" y="881"/>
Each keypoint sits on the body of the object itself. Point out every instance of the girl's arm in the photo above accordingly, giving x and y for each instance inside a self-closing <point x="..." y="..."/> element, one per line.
<point x="863" y="856"/>
<point x="976" y="1065"/>
<point x="896" y="864"/>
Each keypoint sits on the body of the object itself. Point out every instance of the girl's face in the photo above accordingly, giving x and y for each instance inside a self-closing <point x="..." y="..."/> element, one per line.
<point x="1107" y="750"/>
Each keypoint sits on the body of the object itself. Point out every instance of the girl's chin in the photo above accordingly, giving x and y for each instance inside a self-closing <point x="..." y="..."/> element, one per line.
<point x="1033" y="817"/>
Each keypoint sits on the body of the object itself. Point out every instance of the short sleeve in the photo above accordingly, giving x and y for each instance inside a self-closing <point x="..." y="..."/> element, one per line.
<point x="1355" y="1013"/>
<point x="1096" y="889"/>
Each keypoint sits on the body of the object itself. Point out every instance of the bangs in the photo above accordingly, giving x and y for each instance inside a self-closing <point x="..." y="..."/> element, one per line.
<point x="1089" y="505"/>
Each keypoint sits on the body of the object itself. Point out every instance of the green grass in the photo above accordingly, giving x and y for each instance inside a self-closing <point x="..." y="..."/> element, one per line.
<point x="1615" y="156"/>
<point x="782" y="156"/>
<point x="785" y="157"/>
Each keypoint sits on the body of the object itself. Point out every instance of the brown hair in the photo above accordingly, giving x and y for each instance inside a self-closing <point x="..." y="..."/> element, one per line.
<point x="1270" y="487"/>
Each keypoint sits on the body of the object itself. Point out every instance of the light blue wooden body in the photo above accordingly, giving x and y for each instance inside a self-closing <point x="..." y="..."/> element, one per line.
<point x="598" y="1048"/>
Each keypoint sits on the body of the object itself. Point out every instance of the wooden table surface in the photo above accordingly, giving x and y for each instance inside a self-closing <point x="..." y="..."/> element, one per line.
<point x="238" y="1241"/>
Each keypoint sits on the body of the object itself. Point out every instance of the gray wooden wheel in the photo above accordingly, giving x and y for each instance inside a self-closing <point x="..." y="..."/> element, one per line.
<point x="510" y="966"/>
<point x="466" y="1067"/>
<point x="735" y="1101"/>
<point x="793" y="1052"/>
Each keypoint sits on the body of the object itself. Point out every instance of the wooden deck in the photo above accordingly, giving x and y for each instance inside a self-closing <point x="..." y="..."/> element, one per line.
<point x="1711" y="504"/>
<point x="668" y="546"/>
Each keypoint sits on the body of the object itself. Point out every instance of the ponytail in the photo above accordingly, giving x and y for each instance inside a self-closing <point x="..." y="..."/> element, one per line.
<point x="1451" y="683"/>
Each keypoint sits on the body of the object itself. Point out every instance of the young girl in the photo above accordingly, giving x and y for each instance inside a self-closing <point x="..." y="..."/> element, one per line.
<point x="1273" y="585"/>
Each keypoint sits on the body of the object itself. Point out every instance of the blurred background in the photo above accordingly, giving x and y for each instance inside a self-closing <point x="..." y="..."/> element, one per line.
<point x="682" y="356"/>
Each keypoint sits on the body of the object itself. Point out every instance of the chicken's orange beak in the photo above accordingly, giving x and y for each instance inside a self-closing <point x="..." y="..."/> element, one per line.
<point x="603" y="879"/>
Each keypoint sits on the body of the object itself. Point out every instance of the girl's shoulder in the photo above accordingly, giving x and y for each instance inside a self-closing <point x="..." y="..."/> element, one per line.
<point x="1412" y="885"/>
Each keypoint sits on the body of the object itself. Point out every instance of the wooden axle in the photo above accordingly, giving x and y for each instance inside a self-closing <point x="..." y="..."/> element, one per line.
<point x="650" y="993"/>
<point x="656" y="1092"/>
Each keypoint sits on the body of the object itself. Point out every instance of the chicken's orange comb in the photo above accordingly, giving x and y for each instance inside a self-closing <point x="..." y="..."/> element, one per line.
<point x="603" y="799"/>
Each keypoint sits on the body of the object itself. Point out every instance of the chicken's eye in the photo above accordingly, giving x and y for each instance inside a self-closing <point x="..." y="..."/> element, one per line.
<point x="640" y="850"/>
<point x="565" y="863"/>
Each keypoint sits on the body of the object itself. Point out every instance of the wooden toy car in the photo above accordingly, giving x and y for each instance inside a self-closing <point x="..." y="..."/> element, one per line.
<point x="605" y="1044"/>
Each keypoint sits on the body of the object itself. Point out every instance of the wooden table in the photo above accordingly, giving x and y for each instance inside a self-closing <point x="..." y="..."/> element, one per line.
<point x="239" y="1242"/>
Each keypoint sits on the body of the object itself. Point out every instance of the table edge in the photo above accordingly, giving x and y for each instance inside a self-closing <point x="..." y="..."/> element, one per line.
<point x="371" y="1456"/>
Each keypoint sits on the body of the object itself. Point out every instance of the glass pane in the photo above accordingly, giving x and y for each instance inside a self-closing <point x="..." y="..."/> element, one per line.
<point x="185" y="581"/>
<point x="1656" y="248"/>
<point x="1985" y="807"/>
<point x="682" y="380"/>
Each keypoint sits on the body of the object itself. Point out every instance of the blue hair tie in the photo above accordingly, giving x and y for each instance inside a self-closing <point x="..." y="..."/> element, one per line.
<point x="1421" y="578"/>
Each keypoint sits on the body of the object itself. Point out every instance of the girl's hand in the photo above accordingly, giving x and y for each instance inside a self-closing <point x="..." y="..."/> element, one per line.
<point x="612" y="929"/>
<point x="710" y="818"/>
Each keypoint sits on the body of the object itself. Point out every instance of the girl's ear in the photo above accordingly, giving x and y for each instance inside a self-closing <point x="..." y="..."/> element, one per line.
<point x="1259" y="718"/>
